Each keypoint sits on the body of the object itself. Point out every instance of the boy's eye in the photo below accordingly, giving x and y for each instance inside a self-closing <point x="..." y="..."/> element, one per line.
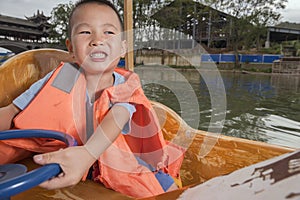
<point x="84" y="32"/>
<point x="109" y="32"/>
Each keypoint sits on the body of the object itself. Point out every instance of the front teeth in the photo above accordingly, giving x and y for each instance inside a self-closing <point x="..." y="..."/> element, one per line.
<point x="98" y="55"/>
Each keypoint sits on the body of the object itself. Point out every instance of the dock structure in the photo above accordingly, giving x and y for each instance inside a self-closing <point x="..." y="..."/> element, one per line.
<point x="287" y="65"/>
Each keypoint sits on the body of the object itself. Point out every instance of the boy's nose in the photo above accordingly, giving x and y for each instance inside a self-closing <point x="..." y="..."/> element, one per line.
<point x="96" y="41"/>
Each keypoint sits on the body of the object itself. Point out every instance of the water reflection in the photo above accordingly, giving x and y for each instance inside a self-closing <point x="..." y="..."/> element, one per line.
<point x="259" y="107"/>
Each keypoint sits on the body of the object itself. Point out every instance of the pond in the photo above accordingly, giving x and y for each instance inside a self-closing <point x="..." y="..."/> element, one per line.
<point x="262" y="107"/>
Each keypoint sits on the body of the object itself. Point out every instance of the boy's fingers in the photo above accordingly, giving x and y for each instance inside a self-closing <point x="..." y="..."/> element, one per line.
<point x="47" y="158"/>
<point x="54" y="183"/>
<point x="44" y="158"/>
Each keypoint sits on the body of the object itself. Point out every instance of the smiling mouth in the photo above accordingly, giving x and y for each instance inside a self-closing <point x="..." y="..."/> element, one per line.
<point x="99" y="55"/>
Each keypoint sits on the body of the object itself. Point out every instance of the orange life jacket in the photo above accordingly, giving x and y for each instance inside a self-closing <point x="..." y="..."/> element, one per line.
<point x="60" y="106"/>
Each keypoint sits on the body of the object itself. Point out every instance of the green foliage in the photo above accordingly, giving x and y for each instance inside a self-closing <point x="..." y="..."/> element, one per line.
<point x="274" y="49"/>
<point x="142" y="12"/>
<point x="257" y="12"/>
<point x="59" y="22"/>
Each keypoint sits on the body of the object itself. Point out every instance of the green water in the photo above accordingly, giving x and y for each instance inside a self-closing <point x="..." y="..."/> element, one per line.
<point x="257" y="107"/>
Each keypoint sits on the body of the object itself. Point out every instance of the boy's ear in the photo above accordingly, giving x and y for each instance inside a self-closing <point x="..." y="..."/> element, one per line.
<point x="69" y="45"/>
<point x="123" y="48"/>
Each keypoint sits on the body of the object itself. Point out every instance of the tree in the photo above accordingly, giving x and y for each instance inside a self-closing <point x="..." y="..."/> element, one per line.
<point x="145" y="27"/>
<point x="59" y="22"/>
<point x="249" y="19"/>
<point x="143" y="11"/>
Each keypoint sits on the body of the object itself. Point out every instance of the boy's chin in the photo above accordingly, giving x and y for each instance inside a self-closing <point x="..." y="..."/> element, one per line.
<point x="96" y="68"/>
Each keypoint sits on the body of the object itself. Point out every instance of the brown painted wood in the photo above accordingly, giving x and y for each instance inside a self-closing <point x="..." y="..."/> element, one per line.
<point x="128" y="22"/>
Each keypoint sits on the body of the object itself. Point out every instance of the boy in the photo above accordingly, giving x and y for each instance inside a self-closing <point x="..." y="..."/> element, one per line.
<point x="102" y="107"/>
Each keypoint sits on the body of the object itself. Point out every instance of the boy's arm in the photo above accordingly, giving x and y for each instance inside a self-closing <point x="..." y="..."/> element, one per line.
<point x="75" y="161"/>
<point x="7" y="115"/>
<point x="107" y="131"/>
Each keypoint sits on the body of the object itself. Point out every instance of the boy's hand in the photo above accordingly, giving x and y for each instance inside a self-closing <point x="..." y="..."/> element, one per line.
<point x="74" y="161"/>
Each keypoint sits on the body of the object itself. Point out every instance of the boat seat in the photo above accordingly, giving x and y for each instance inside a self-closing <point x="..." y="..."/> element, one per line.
<point x="20" y="71"/>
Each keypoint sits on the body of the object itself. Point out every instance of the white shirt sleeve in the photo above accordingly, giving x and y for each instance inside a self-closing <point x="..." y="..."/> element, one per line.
<point x="131" y="109"/>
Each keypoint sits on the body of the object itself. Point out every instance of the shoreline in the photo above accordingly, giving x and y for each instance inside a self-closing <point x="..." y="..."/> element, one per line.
<point x="184" y="68"/>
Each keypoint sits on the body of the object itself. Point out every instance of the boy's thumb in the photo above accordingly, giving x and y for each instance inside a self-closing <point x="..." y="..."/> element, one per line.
<point x="42" y="159"/>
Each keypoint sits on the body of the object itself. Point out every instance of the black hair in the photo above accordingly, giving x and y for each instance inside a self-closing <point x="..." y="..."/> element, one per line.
<point x="100" y="2"/>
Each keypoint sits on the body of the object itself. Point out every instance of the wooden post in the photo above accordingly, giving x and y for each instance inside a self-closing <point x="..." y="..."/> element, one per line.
<point x="128" y="22"/>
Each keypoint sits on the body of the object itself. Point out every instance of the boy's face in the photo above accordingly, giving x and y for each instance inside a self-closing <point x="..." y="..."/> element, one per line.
<point x="96" y="41"/>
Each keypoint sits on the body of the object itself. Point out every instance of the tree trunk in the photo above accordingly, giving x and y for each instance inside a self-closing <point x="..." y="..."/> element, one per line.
<point x="237" y="64"/>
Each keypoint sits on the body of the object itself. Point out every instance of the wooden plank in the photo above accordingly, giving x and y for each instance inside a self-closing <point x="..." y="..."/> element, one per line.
<point x="276" y="178"/>
<point x="128" y="23"/>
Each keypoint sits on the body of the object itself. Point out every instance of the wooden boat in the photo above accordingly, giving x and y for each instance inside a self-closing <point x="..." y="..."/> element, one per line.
<point x="225" y="155"/>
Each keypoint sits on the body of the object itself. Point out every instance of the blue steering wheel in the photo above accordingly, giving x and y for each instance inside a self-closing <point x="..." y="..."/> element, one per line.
<point x="14" y="185"/>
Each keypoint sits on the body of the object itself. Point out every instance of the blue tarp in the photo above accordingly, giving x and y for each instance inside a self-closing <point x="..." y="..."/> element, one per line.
<point x="271" y="58"/>
<point x="230" y="58"/>
<point x="210" y="57"/>
<point x="227" y="58"/>
<point x="251" y="58"/>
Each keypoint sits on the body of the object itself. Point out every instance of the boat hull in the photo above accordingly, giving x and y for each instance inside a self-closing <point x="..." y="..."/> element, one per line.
<point x="208" y="155"/>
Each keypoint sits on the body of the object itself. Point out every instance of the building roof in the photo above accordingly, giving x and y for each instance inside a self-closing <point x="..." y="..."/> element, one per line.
<point x="8" y="30"/>
<point x="288" y="25"/>
<point x="39" y="16"/>
<point x="36" y="26"/>
<point x="16" y="21"/>
<point x="185" y="10"/>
